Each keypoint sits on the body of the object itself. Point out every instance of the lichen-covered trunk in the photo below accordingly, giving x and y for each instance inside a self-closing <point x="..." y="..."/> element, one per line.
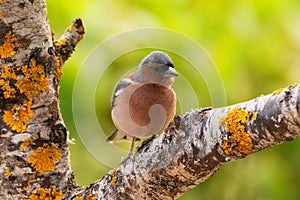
<point x="34" y="154"/>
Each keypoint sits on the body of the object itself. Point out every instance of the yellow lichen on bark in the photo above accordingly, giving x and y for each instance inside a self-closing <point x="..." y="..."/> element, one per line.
<point x="293" y="85"/>
<point x="7" y="50"/>
<point x="91" y="197"/>
<point x="26" y="188"/>
<point x="18" y="116"/>
<point x="7" y="73"/>
<point x="113" y="174"/>
<point x="47" y="194"/>
<point x="74" y="28"/>
<point x="9" y="92"/>
<point x="7" y="173"/>
<point x="44" y="158"/>
<point x="61" y="42"/>
<point x="71" y="28"/>
<point x="26" y="143"/>
<point x="278" y="91"/>
<point x="80" y="37"/>
<point x="34" y="81"/>
<point x="58" y="72"/>
<point x="238" y="140"/>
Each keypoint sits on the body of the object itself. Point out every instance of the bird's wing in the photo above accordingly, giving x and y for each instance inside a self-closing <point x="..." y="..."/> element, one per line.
<point x="120" y="87"/>
<point x="117" y="136"/>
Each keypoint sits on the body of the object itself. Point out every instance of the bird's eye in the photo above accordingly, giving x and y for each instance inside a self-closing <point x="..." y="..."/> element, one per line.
<point x="170" y="65"/>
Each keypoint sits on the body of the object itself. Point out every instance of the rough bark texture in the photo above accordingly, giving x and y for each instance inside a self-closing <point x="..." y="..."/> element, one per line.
<point x="34" y="153"/>
<point x="194" y="148"/>
<point x="34" y="159"/>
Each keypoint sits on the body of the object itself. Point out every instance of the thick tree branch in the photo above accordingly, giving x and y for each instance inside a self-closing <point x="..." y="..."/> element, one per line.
<point x="34" y="159"/>
<point x="192" y="150"/>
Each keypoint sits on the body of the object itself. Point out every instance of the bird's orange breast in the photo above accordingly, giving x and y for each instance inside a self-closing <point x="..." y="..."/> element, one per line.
<point x="144" y="109"/>
<point x="148" y="95"/>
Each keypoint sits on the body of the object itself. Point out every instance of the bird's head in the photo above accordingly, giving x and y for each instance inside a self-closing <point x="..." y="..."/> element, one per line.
<point x="157" y="67"/>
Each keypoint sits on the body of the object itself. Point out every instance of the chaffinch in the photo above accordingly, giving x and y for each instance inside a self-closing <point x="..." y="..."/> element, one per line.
<point x="144" y="103"/>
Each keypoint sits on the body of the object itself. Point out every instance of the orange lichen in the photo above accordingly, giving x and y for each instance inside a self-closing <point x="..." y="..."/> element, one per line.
<point x="278" y="91"/>
<point x="113" y="181"/>
<point x="58" y="71"/>
<point x="19" y="163"/>
<point x="9" y="92"/>
<point x="47" y="194"/>
<point x="26" y="187"/>
<point x="7" y="49"/>
<point x="71" y="28"/>
<point x="18" y="116"/>
<point x="2" y="14"/>
<point x="35" y="136"/>
<point x="80" y="37"/>
<point x="91" y="197"/>
<point x="26" y="143"/>
<point x="239" y="140"/>
<point x="61" y="42"/>
<point x="113" y="174"/>
<point x="254" y="115"/>
<point x="43" y="159"/>
<point x="8" y="173"/>
<point x="293" y="85"/>
<point x="7" y="72"/>
<point x="34" y="81"/>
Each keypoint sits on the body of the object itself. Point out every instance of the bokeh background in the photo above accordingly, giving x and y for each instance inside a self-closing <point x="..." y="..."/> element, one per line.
<point x="256" y="48"/>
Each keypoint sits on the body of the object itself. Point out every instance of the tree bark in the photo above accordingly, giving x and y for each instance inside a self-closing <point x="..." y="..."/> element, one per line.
<point x="34" y="159"/>
<point x="194" y="147"/>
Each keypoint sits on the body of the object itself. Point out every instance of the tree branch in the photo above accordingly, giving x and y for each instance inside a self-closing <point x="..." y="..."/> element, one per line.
<point x="68" y="41"/>
<point x="34" y="159"/>
<point x="192" y="150"/>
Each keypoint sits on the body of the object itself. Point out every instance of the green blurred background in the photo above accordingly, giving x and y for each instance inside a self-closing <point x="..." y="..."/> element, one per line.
<point x="255" y="46"/>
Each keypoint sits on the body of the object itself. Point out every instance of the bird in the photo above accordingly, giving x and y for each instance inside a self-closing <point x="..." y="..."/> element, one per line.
<point x="144" y="103"/>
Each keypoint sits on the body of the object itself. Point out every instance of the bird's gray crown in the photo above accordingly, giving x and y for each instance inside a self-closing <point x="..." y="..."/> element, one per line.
<point x="154" y="57"/>
<point x="157" y="57"/>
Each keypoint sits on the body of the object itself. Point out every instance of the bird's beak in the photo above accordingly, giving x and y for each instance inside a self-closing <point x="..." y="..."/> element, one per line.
<point x="171" y="72"/>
